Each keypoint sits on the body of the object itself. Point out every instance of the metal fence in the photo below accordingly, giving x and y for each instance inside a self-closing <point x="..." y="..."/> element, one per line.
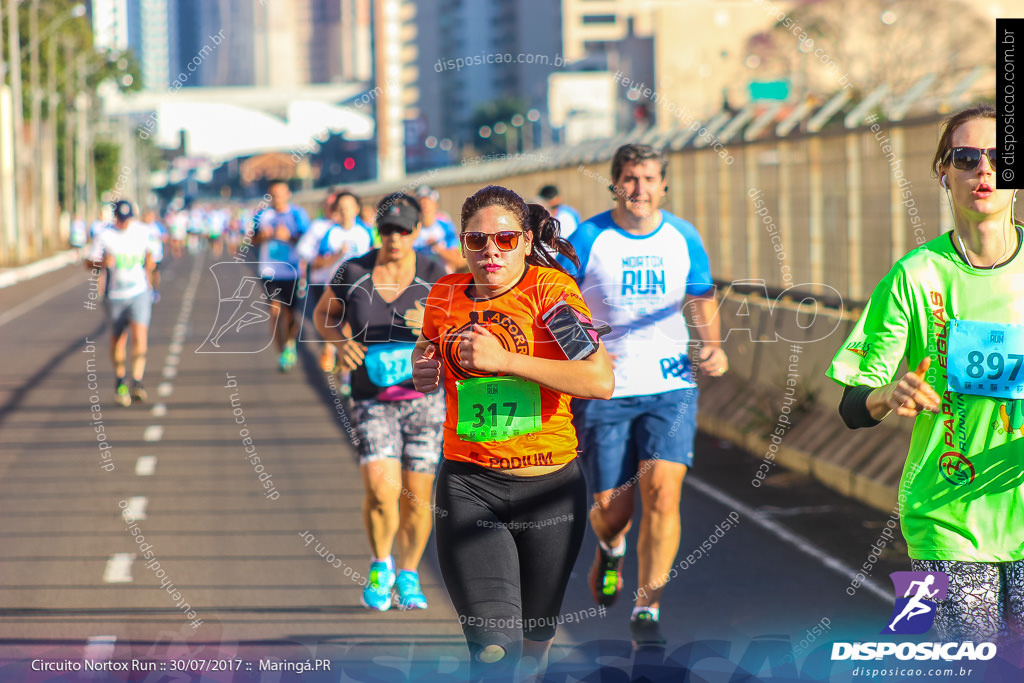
<point x="833" y="209"/>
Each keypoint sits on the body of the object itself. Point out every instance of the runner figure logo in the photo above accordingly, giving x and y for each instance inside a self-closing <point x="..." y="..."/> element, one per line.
<point x="914" y="612"/>
<point x="243" y="309"/>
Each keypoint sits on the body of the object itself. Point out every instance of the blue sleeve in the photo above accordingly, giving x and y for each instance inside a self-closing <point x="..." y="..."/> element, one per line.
<point x="324" y="248"/>
<point x="301" y="220"/>
<point x="582" y="240"/>
<point x="698" y="281"/>
<point x="451" y="235"/>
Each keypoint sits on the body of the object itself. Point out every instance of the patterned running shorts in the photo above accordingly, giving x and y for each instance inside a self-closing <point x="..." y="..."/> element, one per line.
<point x="407" y="430"/>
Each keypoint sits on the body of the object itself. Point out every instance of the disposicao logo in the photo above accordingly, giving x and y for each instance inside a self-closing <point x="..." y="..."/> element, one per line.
<point x="917" y="594"/>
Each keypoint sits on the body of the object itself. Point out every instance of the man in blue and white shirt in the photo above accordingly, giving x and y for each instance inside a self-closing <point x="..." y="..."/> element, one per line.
<point x="278" y="229"/>
<point x="639" y="266"/>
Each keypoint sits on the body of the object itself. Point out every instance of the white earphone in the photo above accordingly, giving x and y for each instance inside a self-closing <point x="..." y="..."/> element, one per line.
<point x="942" y="181"/>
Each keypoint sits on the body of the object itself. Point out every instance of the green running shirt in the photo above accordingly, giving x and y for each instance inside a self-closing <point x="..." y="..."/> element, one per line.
<point x="962" y="490"/>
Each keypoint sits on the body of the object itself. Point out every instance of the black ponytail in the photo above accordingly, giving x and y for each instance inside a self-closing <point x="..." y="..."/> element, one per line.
<point x="548" y="240"/>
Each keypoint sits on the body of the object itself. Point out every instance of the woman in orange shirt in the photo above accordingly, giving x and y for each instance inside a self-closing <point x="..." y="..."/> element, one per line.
<point x="511" y="500"/>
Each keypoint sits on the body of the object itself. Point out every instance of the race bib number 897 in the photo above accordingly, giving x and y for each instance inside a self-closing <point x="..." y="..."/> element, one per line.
<point x="986" y="359"/>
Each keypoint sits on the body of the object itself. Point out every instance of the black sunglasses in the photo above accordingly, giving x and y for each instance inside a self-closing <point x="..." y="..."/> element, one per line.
<point x="388" y="230"/>
<point x="506" y="240"/>
<point x="967" y="158"/>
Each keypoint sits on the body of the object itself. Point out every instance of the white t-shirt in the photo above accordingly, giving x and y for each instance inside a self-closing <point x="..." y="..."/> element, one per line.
<point x="568" y="220"/>
<point x="441" y="232"/>
<point x="79" y="233"/>
<point x="128" y="278"/>
<point x="157" y="235"/>
<point x="217" y="221"/>
<point x="325" y="238"/>
<point x="638" y="284"/>
<point x="179" y="225"/>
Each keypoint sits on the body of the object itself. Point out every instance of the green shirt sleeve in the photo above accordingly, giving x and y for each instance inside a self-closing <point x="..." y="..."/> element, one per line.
<point x="879" y="341"/>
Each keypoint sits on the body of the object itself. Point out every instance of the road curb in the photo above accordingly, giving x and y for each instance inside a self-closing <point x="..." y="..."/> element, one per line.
<point x="47" y="265"/>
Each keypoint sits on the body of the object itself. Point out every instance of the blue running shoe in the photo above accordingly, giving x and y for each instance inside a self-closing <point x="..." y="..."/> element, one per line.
<point x="377" y="593"/>
<point x="410" y="595"/>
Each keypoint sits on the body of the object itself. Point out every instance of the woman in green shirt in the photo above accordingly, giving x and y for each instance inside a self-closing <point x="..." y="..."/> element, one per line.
<point x="954" y="310"/>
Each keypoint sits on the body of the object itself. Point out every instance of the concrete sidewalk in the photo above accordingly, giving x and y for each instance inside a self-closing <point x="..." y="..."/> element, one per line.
<point x="12" y="276"/>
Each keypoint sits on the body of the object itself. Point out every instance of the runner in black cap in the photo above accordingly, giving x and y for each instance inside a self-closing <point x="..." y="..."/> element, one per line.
<point x="126" y="252"/>
<point x="381" y="296"/>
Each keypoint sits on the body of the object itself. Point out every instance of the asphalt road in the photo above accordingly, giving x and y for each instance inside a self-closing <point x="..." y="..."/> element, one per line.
<point x="234" y="578"/>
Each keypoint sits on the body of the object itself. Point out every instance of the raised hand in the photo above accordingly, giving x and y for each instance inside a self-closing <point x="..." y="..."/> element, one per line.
<point x="426" y="371"/>
<point x="912" y="394"/>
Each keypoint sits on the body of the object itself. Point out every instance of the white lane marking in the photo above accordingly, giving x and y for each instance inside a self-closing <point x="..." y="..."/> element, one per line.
<point x="172" y="359"/>
<point x="160" y="409"/>
<point x="119" y="568"/>
<point x="798" y="542"/>
<point x="42" y="298"/>
<point x="170" y="372"/>
<point x="153" y="433"/>
<point x="99" y="648"/>
<point x="136" y="508"/>
<point x="145" y="466"/>
<point x="174" y="348"/>
<point x="165" y="389"/>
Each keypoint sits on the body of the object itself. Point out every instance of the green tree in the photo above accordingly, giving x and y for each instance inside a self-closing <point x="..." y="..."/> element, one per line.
<point x="106" y="157"/>
<point x="67" y="60"/>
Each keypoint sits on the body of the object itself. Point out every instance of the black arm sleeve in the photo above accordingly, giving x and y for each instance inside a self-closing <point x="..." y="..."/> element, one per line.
<point x="853" y="407"/>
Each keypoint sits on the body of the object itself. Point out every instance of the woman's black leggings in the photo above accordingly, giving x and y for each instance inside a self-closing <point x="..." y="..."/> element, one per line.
<point x="506" y="546"/>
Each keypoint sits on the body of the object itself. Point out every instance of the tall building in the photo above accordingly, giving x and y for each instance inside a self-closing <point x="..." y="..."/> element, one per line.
<point x="110" y="24"/>
<point x="640" y="40"/>
<point x="153" y="49"/>
<point x="589" y="26"/>
<point x="311" y="41"/>
<point x="480" y="52"/>
<point x="355" y="41"/>
<point x="240" y="42"/>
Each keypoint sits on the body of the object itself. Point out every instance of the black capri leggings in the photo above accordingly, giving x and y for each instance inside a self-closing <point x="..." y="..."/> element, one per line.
<point x="506" y="546"/>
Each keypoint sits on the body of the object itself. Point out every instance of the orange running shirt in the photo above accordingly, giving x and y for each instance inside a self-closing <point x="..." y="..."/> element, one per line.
<point x="515" y="319"/>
